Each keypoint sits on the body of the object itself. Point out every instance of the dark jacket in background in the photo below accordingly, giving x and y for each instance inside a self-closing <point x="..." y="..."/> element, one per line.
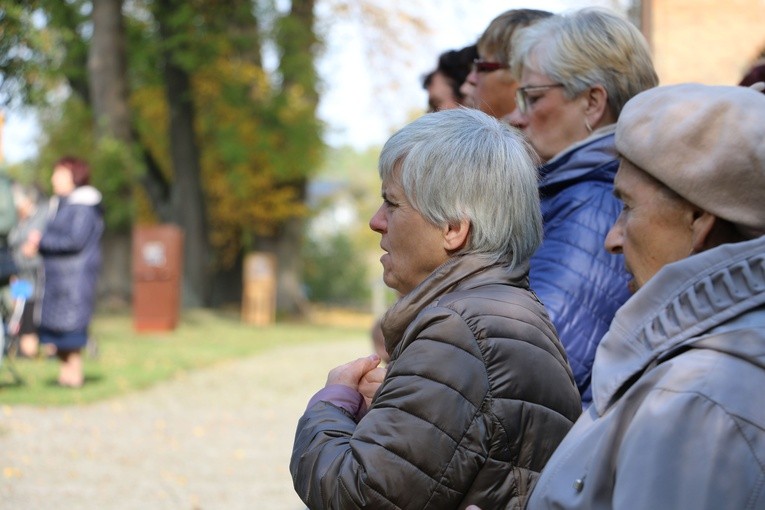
<point x="477" y="396"/>
<point x="579" y="282"/>
<point x="71" y="251"/>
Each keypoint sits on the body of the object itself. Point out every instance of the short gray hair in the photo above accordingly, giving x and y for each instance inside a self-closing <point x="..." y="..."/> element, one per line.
<point x="463" y="164"/>
<point x="584" y="48"/>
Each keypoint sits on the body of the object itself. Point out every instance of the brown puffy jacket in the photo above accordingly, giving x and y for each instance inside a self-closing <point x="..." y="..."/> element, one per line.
<point x="477" y="396"/>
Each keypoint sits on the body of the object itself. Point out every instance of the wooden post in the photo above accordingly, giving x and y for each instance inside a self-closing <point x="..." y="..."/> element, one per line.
<point x="259" y="289"/>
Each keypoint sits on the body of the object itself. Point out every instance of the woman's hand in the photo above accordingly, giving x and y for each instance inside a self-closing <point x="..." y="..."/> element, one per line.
<point x="30" y="247"/>
<point x="370" y="382"/>
<point x="352" y="372"/>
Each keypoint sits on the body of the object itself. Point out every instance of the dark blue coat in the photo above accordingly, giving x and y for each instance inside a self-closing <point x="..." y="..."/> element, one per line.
<point x="71" y="251"/>
<point x="580" y="283"/>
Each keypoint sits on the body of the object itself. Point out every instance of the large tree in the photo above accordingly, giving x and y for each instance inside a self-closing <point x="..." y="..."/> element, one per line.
<point x="186" y="197"/>
<point x="110" y="103"/>
<point x="298" y="46"/>
<point x="208" y="137"/>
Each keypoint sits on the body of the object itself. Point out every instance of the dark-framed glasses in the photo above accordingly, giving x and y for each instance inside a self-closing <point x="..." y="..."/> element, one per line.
<point x="522" y="96"/>
<point x="482" y="66"/>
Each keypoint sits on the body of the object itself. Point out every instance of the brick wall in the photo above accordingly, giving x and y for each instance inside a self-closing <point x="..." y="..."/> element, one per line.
<point x="708" y="41"/>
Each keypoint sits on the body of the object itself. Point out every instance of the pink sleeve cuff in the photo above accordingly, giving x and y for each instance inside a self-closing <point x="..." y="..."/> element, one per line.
<point x="341" y="396"/>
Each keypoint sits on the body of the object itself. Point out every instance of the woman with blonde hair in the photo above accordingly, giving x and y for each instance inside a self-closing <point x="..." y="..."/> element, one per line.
<point x="490" y="86"/>
<point x="576" y="71"/>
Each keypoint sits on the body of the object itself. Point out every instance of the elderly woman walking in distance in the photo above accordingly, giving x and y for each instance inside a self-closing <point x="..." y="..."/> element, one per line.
<point x="477" y="393"/>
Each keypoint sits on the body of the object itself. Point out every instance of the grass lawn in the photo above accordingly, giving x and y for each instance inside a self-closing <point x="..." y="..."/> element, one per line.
<point x="128" y="361"/>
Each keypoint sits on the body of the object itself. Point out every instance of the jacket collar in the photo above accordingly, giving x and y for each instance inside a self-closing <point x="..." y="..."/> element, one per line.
<point x="461" y="271"/>
<point x="84" y="195"/>
<point x="682" y="302"/>
<point x="581" y="159"/>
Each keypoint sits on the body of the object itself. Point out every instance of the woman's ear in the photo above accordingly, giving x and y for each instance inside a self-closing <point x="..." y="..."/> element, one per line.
<point x="596" y="109"/>
<point x="456" y="235"/>
<point x="709" y="231"/>
<point x="703" y="232"/>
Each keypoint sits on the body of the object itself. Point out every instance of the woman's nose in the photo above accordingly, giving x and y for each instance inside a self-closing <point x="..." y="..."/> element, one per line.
<point x="613" y="242"/>
<point x="377" y="221"/>
<point x="516" y="119"/>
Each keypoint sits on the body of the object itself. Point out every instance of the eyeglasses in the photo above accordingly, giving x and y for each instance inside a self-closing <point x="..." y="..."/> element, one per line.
<point x="482" y="66"/>
<point x="522" y="96"/>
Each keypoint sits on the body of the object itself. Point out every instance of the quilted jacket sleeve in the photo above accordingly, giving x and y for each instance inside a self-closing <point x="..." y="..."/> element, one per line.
<point x="411" y="449"/>
<point x="71" y="230"/>
<point x="580" y="284"/>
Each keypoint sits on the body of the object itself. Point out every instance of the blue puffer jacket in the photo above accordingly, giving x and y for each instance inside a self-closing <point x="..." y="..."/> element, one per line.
<point x="71" y="252"/>
<point x="580" y="283"/>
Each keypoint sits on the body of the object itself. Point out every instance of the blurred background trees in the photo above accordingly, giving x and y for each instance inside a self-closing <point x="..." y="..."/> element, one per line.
<point x="182" y="122"/>
<point x="203" y="113"/>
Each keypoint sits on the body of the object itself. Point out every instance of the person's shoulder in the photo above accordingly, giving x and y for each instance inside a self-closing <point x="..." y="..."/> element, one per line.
<point x="495" y="298"/>
<point x="584" y="198"/>
<point x="501" y="313"/>
<point x="724" y="380"/>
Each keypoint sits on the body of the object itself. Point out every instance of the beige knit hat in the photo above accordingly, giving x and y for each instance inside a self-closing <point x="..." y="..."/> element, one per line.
<point x="706" y="143"/>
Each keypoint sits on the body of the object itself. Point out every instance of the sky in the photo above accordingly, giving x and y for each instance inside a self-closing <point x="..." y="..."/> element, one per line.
<point x="362" y="103"/>
<point x="357" y="105"/>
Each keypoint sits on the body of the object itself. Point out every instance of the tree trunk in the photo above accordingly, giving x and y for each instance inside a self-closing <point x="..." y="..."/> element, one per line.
<point x="297" y="44"/>
<point x="107" y="79"/>
<point x="107" y="71"/>
<point x="186" y="195"/>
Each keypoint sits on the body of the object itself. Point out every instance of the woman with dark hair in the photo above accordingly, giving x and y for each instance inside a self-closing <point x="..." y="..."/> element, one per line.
<point x="444" y="82"/>
<point x="755" y="76"/>
<point x="70" y="247"/>
<point x="575" y="73"/>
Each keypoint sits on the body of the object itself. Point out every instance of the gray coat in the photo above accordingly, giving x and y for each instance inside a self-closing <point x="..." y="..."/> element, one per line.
<point x="71" y="251"/>
<point x="28" y="267"/>
<point x="678" y="419"/>
<point x="477" y="396"/>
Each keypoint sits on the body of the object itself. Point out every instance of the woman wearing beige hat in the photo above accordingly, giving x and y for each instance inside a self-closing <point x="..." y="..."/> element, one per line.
<point x="677" y="419"/>
<point x="575" y="72"/>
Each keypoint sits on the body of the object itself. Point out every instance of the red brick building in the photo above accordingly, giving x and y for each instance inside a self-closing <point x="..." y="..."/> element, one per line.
<point x="707" y="41"/>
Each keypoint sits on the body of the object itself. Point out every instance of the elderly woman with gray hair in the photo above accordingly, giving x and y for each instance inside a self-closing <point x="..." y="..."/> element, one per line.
<point x="477" y="393"/>
<point x="575" y="73"/>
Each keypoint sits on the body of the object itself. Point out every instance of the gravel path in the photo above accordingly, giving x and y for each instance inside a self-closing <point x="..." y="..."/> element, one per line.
<point x="213" y="439"/>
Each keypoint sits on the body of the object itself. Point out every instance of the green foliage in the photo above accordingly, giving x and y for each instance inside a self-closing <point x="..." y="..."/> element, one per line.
<point x="339" y="269"/>
<point x="68" y="131"/>
<point x="359" y="171"/>
<point x="23" y="55"/>
<point x="114" y="166"/>
<point x="244" y="160"/>
<point x="258" y="135"/>
<point x="335" y="271"/>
